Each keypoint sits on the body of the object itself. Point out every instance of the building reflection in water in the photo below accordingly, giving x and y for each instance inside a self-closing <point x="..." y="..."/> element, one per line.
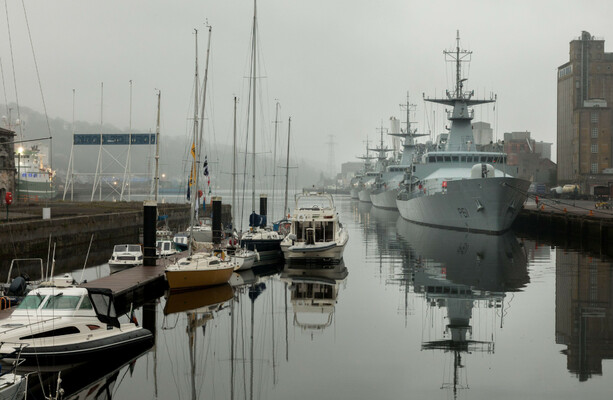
<point x="457" y="272"/>
<point x="584" y="314"/>
<point x="314" y="293"/>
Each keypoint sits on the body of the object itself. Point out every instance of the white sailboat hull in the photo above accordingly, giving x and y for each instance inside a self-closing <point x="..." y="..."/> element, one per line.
<point x="487" y="205"/>
<point x="384" y="198"/>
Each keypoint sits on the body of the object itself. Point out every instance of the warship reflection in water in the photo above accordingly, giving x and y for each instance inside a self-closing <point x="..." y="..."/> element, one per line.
<point x="457" y="272"/>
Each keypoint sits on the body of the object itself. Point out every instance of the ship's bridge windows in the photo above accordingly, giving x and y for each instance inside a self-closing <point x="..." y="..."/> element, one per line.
<point x="439" y="159"/>
<point x="462" y="158"/>
<point x="455" y="158"/>
<point x="431" y="159"/>
<point x="447" y="158"/>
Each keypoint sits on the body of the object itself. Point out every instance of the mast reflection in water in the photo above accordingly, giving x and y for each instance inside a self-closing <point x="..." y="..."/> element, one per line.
<point x="458" y="272"/>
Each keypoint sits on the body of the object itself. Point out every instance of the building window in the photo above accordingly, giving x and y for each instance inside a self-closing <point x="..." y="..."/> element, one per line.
<point x="594" y="133"/>
<point x="594" y="117"/>
<point x="594" y="148"/>
<point x="594" y="168"/>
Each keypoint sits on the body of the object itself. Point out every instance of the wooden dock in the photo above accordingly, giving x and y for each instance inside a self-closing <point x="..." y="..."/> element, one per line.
<point x="135" y="286"/>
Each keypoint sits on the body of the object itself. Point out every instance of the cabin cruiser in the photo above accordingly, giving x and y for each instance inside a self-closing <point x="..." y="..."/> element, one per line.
<point x="457" y="186"/>
<point x="165" y="248"/>
<point x="316" y="233"/>
<point x="61" y="323"/>
<point x="125" y="256"/>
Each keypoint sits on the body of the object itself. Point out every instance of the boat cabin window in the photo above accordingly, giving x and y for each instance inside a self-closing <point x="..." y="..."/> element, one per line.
<point x="86" y="304"/>
<point x="447" y="158"/>
<point x="455" y="158"/>
<point x="463" y="159"/>
<point x="31" y="302"/>
<point x="133" y="247"/>
<point x="62" y="302"/>
<point x="67" y="330"/>
<point x="439" y="158"/>
<point x="431" y="159"/>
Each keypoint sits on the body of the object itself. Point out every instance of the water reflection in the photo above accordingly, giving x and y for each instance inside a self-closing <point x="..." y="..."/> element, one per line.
<point x="200" y="306"/>
<point x="457" y="272"/>
<point x="584" y="312"/>
<point x="97" y="378"/>
<point x="314" y="292"/>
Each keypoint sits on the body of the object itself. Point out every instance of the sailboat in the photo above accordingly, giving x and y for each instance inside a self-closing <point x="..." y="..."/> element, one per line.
<point x="202" y="268"/>
<point x="265" y="241"/>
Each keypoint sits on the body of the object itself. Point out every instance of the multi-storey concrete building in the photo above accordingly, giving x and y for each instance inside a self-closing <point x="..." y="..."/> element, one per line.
<point x="585" y="120"/>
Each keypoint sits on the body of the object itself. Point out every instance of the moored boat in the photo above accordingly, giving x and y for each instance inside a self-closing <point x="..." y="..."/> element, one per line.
<point x="125" y="256"/>
<point x="198" y="270"/>
<point x="316" y="233"/>
<point x="457" y="186"/>
<point x="64" y="323"/>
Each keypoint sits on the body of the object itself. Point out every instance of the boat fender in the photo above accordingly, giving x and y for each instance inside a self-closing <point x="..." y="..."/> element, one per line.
<point x="18" y="286"/>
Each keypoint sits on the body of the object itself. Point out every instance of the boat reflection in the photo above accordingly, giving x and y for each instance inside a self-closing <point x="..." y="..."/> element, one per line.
<point x="97" y="378"/>
<point x="314" y="293"/>
<point x="457" y="272"/>
<point x="584" y="311"/>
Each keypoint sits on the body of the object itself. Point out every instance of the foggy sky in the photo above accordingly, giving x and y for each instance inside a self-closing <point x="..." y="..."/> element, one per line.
<point x="338" y="67"/>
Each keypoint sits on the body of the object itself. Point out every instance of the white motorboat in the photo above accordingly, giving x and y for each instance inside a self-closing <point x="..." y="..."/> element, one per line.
<point x="61" y="323"/>
<point x="457" y="186"/>
<point x="165" y="248"/>
<point x="125" y="256"/>
<point x="316" y="233"/>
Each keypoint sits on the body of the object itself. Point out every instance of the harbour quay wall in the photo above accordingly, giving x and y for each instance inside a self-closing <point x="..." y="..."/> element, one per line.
<point x="71" y="227"/>
<point x="590" y="232"/>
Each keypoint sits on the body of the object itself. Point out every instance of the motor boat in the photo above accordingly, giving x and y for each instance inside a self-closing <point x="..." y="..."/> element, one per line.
<point x="59" y="323"/>
<point x="165" y="248"/>
<point x="316" y="233"/>
<point x="125" y="256"/>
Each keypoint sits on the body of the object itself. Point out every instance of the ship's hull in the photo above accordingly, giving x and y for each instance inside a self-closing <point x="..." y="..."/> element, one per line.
<point x="41" y="189"/>
<point x="384" y="198"/>
<point x="364" y="195"/>
<point x="181" y="279"/>
<point x="326" y="251"/>
<point x="488" y="205"/>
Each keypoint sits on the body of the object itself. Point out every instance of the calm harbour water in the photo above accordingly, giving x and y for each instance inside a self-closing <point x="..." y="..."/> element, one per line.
<point x="411" y="312"/>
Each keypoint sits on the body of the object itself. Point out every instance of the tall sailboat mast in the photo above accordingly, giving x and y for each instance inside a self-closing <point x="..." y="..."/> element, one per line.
<point x="157" y="150"/>
<point x="274" y="164"/>
<point x="200" y="138"/>
<point x="253" y="80"/>
<point x="289" y="127"/>
<point x="234" y="166"/>
<point x="194" y="169"/>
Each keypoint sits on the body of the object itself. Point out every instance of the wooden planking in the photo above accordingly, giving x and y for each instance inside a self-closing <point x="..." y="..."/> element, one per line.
<point x="133" y="278"/>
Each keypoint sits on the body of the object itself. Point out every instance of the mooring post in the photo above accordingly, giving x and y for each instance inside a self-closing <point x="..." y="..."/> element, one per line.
<point x="263" y="209"/>
<point x="149" y="225"/>
<point x="149" y="316"/>
<point x="216" y="200"/>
